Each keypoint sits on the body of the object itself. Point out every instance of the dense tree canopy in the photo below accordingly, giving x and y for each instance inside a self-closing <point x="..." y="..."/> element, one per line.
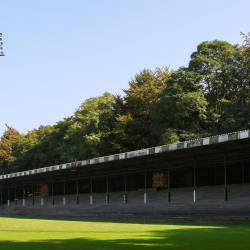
<point x="140" y="99"/>
<point x="210" y="96"/>
<point x="181" y="112"/>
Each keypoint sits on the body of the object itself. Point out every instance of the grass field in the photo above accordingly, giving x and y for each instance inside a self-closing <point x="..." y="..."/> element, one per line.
<point x="34" y="233"/>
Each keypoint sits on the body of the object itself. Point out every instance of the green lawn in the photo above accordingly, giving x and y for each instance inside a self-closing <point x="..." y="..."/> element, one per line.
<point x="34" y="233"/>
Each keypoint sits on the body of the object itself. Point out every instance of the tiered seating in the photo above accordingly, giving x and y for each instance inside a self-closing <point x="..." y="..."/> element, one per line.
<point x="210" y="199"/>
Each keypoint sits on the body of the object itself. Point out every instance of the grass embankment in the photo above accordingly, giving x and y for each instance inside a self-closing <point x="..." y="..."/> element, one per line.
<point x="34" y="233"/>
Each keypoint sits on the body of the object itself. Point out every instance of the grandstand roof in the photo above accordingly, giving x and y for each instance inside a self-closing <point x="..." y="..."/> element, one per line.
<point x="204" y="152"/>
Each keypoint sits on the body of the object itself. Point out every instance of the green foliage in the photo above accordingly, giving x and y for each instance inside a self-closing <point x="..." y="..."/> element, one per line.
<point x="219" y="65"/>
<point x="180" y="114"/>
<point x="89" y="129"/>
<point x="39" y="148"/>
<point x="8" y="146"/>
<point x="225" y="81"/>
<point x="211" y="96"/>
<point x="142" y="95"/>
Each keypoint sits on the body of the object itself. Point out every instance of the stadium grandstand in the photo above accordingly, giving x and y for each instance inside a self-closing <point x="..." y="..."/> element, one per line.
<point x="209" y="175"/>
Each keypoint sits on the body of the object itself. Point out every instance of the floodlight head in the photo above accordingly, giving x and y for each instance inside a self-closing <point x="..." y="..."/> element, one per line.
<point x="1" y="44"/>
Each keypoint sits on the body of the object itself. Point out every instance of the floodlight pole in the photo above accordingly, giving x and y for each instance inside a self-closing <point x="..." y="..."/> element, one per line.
<point x="1" y="44"/>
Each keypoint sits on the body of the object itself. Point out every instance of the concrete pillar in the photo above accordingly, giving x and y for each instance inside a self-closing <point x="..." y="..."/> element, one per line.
<point x="33" y="200"/>
<point x="194" y="196"/>
<point x="107" y="196"/>
<point x="107" y="199"/>
<point x="169" y="185"/>
<point x="215" y="176"/>
<point x="243" y="172"/>
<point x="225" y="175"/>
<point x="64" y="198"/>
<point x="145" y="194"/>
<point x="42" y="200"/>
<point x="15" y="197"/>
<point x="1" y="196"/>
<point x="8" y="196"/>
<point x="77" y="197"/>
<point x="52" y="193"/>
<point x="125" y="198"/>
<point x="125" y="185"/>
<point x="23" y="197"/>
<point x="91" y="196"/>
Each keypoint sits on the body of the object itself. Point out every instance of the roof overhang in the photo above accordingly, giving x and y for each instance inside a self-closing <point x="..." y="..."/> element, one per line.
<point x="203" y="153"/>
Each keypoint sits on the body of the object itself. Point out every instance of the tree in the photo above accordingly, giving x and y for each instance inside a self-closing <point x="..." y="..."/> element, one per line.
<point x="210" y="96"/>
<point x="90" y="125"/>
<point x="180" y="114"/>
<point x="217" y="62"/>
<point x="8" y="147"/>
<point x="139" y="101"/>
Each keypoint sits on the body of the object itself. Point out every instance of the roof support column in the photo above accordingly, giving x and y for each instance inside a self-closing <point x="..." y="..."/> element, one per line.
<point x="125" y="187"/>
<point x="64" y="198"/>
<point x="194" y="181"/>
<point x="42" y="201"/>
<point x="53" y="201"/>
<point x="77" y="197"/>
<point x="145" y="194"/>
<point x="243" y="172"/>
<point x="1" y="195"/>
<point x="23" y="197"/>
<point x="215" y="176"/>
<point x="168" y="183"/>
<point x="225" y="176"/>
<point x="15" y="197"/>
<point x="8" y="195"/>
<point x="107" y="196"/>
<point x="33" y="201"/>
<point x="91" y="196"/>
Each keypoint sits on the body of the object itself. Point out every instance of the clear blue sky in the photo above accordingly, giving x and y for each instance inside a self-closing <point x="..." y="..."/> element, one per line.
<point x="59" y="53"/>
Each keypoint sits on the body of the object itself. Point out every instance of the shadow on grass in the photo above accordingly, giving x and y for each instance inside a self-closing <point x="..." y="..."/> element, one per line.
<point x="195" y="239"/>
<point x="195" y="236"/>
<point x="128" y="220"/>
<point x="101" y="220"/>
